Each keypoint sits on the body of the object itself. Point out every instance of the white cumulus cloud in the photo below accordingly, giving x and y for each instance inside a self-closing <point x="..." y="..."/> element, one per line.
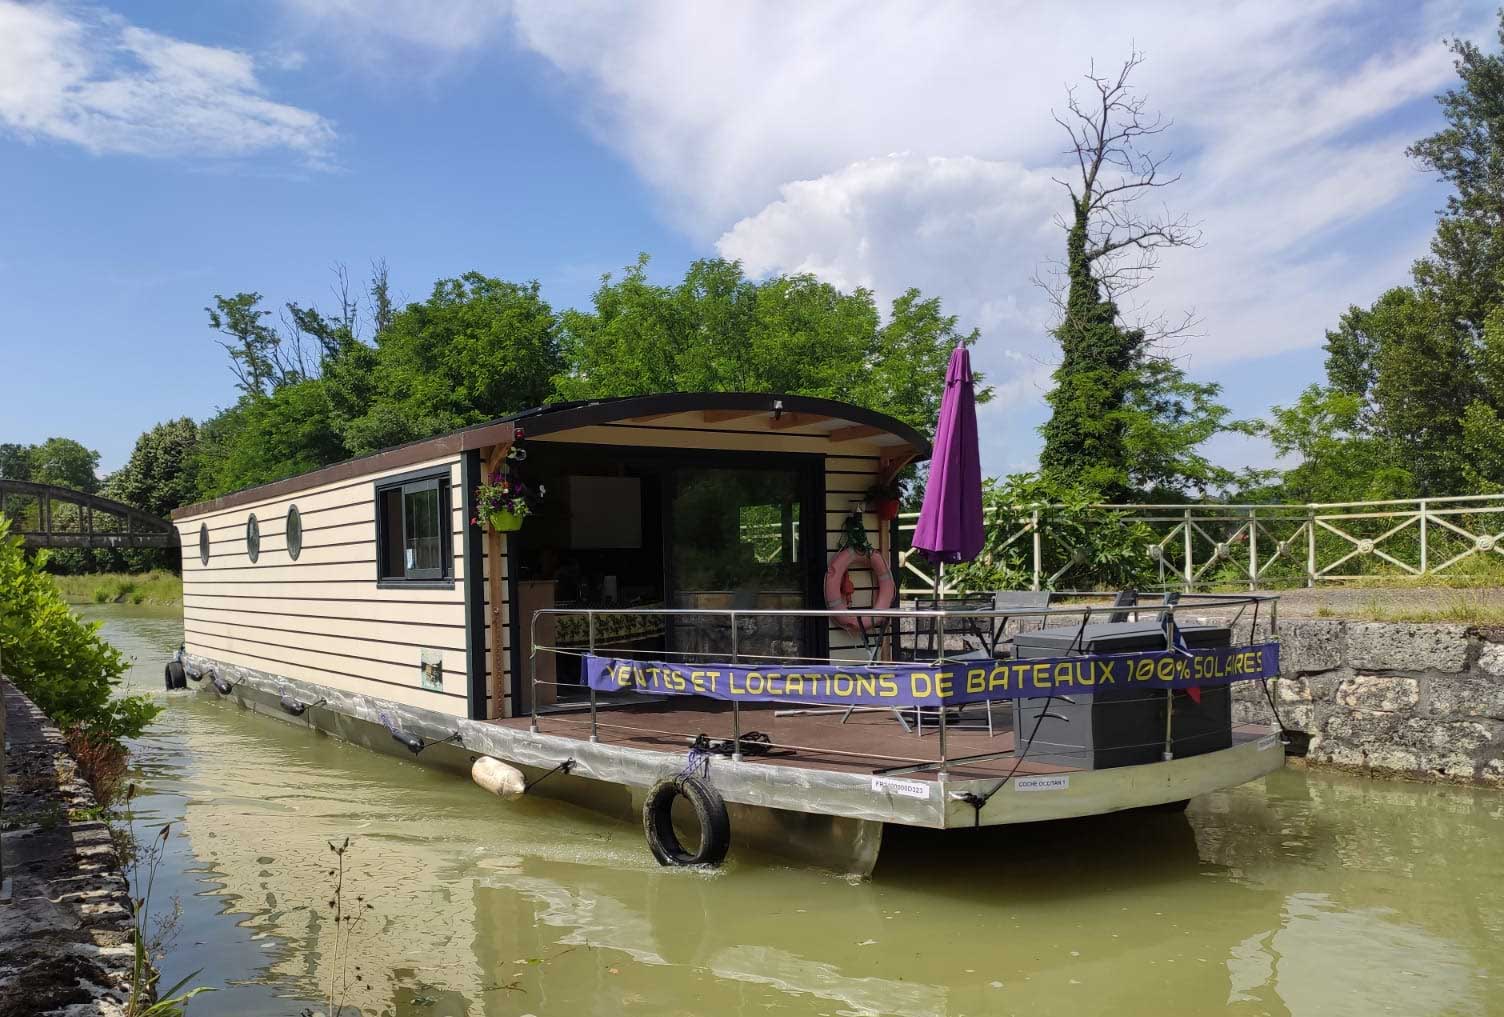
<point x="887" y="144"/>
<point x="90" y="78"/>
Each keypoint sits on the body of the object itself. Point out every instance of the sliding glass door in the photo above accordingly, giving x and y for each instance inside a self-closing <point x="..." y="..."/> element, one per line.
<point x="744" y="537"/>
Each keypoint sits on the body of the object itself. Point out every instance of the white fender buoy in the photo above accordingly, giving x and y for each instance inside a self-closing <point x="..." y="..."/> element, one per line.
<point x="499" y="778"/>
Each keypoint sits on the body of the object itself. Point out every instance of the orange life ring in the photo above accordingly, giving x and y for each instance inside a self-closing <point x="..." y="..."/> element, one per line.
<point x="836" y="599"/>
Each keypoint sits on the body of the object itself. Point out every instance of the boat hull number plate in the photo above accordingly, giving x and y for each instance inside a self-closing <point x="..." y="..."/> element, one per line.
<point x="1052" y="782"/>
<point x="906" y="788"/>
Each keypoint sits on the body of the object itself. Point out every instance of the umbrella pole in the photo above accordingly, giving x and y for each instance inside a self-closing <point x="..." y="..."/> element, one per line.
<point x="939" y="661"/>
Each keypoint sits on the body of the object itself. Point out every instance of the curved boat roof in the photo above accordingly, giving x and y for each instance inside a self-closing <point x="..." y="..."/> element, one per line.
<point x="792" y="415"/>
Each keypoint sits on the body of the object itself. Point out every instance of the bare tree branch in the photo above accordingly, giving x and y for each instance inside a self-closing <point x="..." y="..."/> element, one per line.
<point x="1107" y="133"/>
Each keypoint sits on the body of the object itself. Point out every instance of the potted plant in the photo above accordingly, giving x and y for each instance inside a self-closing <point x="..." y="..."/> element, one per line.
<point x="885" y="499"/>
<point x="504" y="501"/>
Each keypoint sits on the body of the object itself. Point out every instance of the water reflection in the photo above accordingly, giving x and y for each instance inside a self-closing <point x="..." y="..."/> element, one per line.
<point x="1303" y="895"/>
<point x="1326" y="959"/>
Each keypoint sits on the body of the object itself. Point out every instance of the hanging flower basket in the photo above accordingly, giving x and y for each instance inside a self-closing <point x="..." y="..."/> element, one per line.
<point x="503" y="521"/>
<point x="887" y="509"/>
<point x="505" y="500"/>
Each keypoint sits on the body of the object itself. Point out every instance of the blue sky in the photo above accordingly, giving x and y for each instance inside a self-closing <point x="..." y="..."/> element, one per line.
<point x="153" y="155"/>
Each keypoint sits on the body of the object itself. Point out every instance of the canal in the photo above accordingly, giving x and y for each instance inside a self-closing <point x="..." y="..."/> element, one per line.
<point x="1309" y="893"/>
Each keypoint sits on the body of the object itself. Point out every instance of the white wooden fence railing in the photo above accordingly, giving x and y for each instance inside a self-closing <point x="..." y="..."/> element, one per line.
<point x="1196" y="545"/>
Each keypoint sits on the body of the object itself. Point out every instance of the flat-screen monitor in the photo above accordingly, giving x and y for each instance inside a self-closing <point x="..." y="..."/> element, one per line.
<point x="605" y="512"/>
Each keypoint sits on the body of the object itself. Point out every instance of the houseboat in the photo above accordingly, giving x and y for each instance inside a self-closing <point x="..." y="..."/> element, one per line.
<point x="672" y="619"/>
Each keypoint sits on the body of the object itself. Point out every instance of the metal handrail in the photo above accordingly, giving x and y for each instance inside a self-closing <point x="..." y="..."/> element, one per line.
<point x="1083" y="611"/>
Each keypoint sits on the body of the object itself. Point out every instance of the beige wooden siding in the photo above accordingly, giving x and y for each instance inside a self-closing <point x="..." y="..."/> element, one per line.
<point x="322" y="618"/>
<point x="847" y="479"/>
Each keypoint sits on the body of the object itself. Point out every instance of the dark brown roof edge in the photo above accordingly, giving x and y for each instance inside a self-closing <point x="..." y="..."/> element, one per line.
<point x="480" y="436"/>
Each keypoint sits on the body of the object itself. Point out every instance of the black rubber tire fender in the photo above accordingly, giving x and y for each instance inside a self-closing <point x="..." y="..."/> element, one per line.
<point x="175" y="677"/>
<point x="710" y="812"/>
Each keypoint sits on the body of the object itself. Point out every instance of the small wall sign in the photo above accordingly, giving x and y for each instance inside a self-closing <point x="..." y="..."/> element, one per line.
<point x="431" y="669"/>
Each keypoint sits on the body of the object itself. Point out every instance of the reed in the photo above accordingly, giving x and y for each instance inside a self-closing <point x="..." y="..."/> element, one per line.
<point x="158" y="587"/>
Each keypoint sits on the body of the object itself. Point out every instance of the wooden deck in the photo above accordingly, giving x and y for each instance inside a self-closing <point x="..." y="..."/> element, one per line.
<point x="867" y="741"/>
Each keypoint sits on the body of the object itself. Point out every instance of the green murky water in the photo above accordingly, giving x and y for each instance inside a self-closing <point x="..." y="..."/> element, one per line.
<point x="1305" y="894"/>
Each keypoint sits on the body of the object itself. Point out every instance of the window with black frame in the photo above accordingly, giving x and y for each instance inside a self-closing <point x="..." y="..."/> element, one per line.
<point x="413" y="529"/>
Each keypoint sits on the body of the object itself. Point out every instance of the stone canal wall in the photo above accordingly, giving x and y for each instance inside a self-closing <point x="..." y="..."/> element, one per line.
<point x="66" y="934"/>
<point x="1391" y="699"/>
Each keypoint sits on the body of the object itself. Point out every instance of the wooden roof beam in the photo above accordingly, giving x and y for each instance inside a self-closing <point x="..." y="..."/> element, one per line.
<point x="854" y="432"/>
<point x="655" y="417"/>
<point x="791" y="420"/>
<point x="726" y="416"/>
<point x="890" y="464"/>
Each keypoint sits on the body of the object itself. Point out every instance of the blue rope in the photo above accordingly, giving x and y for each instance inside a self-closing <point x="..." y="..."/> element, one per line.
<point x="699" y="759"/>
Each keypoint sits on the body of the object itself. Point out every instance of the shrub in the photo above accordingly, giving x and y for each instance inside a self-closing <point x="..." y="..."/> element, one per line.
<point x="58" y="661"/>
<point x="1081" y="547"/>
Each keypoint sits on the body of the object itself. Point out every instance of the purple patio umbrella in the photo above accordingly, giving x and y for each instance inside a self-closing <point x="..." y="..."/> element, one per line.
<point x="950" y="521"/>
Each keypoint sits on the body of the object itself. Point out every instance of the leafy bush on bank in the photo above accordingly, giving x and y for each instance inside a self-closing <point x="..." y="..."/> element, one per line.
<point x="58" y="661"/>
<point x="1081" y="548"/>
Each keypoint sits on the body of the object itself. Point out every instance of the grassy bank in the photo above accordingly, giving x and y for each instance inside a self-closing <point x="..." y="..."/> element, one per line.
<point x="157" y="587"/>
<point x="1470" y="607"/>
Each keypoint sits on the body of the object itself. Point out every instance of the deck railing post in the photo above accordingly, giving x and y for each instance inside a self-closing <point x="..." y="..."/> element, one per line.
<point x="595" y="733"/>
<point x="736" y="707"/>
<point x="1169" y="752"/>
<point x="1311" y="545"/>
<point x="1038" y="557"/>
<point x="1189" y="551"/>
<point x="940" y="624"/>
<point x="532" y="667"/>
<point x="1424" y="557"/>
<point x="1253" y="549"/>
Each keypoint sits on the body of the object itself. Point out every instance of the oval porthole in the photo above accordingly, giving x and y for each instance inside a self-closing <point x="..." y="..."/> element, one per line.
<point x="203" y="543"/>
<point x="294" y="533"/>
<point x="253" y="537"/>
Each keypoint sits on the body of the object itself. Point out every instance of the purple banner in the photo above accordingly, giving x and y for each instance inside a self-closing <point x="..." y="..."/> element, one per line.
<point x="954" y="682"/>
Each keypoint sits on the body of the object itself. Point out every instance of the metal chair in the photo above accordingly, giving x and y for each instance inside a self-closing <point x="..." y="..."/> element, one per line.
<point x="996" y="643"/>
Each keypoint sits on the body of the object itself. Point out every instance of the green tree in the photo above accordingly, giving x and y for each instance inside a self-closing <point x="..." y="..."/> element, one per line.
<point x="476" y="349"/>
<point x="383" y="310"/>
<point x="718" y="331"/>
<point x="1423" y="367"/>
<point x="1123" y="419"/>
<point x="64" y="462"/>
<point x="159" y="475"/>
<point x="1463" y="272"/>
<point x="266" y="438"/>
<point x="253" y="345"/>
<point x="15" y="461"/>
<point x="1417" y="370"/>
<point x="1339" y="458"/>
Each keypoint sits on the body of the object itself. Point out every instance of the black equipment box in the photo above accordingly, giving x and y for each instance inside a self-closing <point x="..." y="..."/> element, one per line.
<point x="1118" y="727"/>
